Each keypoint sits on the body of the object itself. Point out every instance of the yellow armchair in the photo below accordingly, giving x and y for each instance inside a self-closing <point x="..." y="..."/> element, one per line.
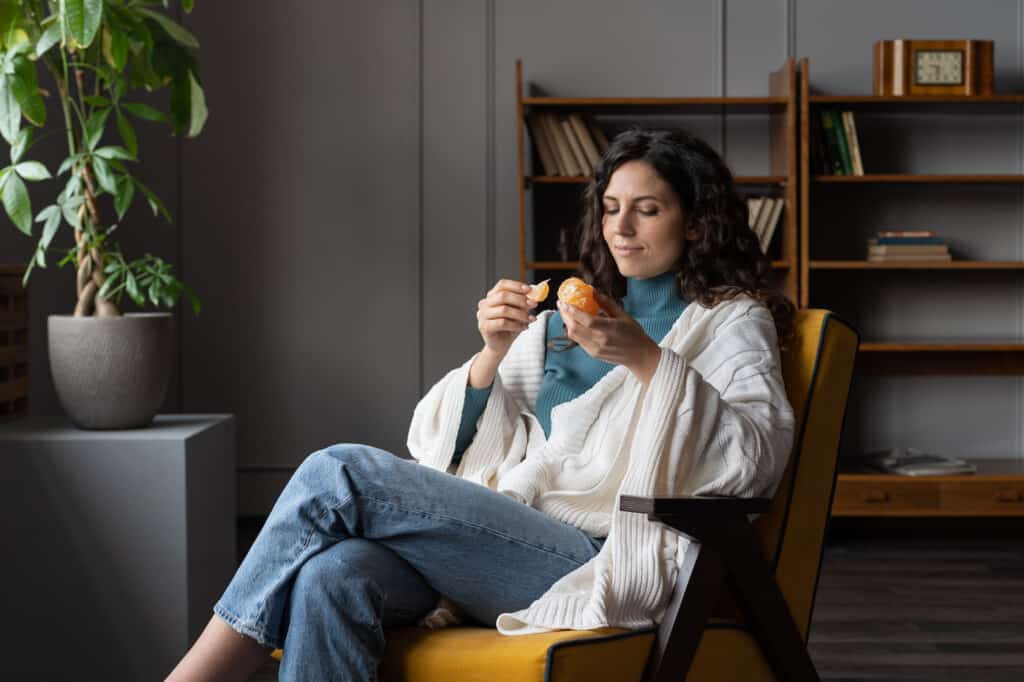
<point x="749" y="591"/>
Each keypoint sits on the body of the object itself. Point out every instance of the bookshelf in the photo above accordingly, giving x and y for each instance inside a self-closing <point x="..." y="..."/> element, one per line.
<point x="997" y="489"/>
<point x="13" y="344"/>
<point x="555" y="205"/>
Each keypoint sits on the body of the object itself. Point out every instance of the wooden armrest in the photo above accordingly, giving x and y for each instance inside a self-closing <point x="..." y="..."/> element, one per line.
<point x="705" y="507"/>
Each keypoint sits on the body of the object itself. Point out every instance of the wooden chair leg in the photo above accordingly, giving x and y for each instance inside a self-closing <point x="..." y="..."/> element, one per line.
<point x="763" y="605"/>
<point x="698" y="584"/>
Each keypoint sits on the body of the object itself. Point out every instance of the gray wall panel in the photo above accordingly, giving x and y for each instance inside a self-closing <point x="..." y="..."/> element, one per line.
<point x="303" y="225"/>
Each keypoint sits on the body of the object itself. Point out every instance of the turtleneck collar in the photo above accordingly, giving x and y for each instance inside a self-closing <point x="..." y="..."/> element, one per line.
<point x="653" y="296"/>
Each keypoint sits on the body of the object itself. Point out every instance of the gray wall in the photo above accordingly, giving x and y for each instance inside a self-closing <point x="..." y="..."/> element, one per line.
<point x="354" y="195"/>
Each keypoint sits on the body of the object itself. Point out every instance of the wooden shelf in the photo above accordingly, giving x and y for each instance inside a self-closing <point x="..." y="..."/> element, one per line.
<point x="916" y="99"/>
<point x="997" y="489"/>
<point x="943" y="346"/>
<point x="575" y="265"/>
<point x="592" y="103"/>
<point x="584" y="179"/>
<point x="920" y="178"/>
<point x="915" y="265"/>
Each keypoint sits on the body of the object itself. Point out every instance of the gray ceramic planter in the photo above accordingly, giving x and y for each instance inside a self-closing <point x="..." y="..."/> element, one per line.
<point x="111" y="372"/>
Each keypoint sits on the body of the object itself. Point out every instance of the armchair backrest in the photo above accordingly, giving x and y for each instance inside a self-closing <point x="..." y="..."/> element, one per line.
<point x="818" y="371"/>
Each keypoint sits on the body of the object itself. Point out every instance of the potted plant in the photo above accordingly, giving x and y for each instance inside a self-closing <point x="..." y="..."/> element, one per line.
<point x="110" y="369"/>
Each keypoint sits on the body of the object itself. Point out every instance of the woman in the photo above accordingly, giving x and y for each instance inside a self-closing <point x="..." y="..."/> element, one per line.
<point x="674" y="388"/>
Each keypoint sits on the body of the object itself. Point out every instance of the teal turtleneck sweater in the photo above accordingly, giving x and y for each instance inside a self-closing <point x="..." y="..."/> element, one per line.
<point x="653" y="303"/>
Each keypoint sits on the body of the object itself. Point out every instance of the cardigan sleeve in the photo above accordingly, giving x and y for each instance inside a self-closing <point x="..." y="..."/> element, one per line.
<point x="500" y="440"/>
<point x="472" y="407"/>
<point x="726" y="432"/>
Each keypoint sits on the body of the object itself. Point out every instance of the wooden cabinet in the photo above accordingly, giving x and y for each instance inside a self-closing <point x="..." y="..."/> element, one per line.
<point x="13" y="343"/>
<point x="997" y="489"/>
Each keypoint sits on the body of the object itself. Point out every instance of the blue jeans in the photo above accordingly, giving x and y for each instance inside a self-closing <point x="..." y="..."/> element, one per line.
<point x="361" y="540"/>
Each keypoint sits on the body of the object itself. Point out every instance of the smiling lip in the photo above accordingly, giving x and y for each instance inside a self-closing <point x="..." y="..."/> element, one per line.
<point x="627" y="250"/>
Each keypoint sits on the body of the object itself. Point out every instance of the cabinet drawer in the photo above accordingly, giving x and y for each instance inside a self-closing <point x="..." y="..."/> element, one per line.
<point x="867" y="498"/>
<point x="983" y="497"/>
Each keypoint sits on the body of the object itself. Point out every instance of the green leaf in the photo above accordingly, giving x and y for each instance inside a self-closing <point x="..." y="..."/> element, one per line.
<point x="82" y="19"/>
<point x="49" y="38"/>
<point x="197" y="108"/>
<point x="69" y="209"/>
<point x="10" y="111"/>
<point x="52" y="223"/>
<point x="94" y="127"/>
<point x="174" y="30"/>
<point x="68" y="162"/>
<point x="144" y="111"/>
<point x="154" y="202"/>
<point x="26" y="91"/>
<point x="20" y="144"/>
<point x="16" y="202"/>
<point x="32" y="171"/>
<point x="133" y="288"/>
<point x="110" y="284"/>
<point x="124" y="196"/>
<point x="97" y="101"/>
<point x="104" y="176"/>
<point x="127" y="134"/>
<point x="187" y="5"/>
<point x="114" y="153"/>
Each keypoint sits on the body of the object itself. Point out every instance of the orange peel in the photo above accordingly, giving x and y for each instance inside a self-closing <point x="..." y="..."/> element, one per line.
<point x="579" y="294"/>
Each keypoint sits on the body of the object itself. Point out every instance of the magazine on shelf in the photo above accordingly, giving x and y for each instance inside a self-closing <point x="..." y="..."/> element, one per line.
<point x="915" y="462"/>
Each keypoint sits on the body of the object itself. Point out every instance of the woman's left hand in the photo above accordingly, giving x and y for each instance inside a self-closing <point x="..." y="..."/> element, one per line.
<point x="617" y="338"/>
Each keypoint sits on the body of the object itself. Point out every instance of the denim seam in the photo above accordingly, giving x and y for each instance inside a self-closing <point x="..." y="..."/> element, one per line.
<point x="471" y="525"/>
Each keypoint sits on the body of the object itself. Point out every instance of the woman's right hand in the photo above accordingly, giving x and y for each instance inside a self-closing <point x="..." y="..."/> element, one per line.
<point x="504" y="314"/>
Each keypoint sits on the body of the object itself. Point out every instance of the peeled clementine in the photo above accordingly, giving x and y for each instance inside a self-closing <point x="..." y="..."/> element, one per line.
<point x="539" y="292"/>
<point x="578" y="293"/>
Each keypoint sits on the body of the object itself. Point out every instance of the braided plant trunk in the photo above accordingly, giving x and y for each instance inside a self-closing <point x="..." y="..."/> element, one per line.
<point x="90" y="261"/>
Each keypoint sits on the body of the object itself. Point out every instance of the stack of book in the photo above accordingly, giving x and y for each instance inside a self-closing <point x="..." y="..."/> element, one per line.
<point x="834" y="146"/>
<point x="914" y="462"/>
<point x="902" y="245"/>
<point x="764" y="218"/>
<point x="568" y="145"/>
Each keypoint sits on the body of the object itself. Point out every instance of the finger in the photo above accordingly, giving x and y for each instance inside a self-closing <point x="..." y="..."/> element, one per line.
<point x="502" y="325"/>
<point x="505" y="312"/>
<point x="578" y="316"/>
<point x="511" y="285"/>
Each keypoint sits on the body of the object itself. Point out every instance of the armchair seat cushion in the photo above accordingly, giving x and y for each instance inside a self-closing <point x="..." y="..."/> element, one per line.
<point x="476" y="653"/>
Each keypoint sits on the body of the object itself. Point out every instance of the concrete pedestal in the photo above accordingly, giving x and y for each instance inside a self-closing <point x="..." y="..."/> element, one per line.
<point x="116" y="544"/>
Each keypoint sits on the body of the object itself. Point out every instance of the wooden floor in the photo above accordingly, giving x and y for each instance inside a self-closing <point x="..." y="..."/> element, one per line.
<point x="914" y="603"/>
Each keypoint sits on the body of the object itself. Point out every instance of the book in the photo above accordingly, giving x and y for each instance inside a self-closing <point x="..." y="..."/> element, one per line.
<point x="906" y="240"/>
<point x="753" y="207"/>
<point x="906" y="233"/>
<point x="844" y="147"/>
<point x="773" y="221"/>
<point x="831" y="143"/>
<point x="762" y="217"/>
<point x="908" y="249"/>
<point x="544" y="150"/>
<point x="563" y="154"/>
<point x="586" y="141"/>
<point x="936" y="257"/>
<point x="599" y="138"/>
<point x="851" y="138"/>
<point x="915" y="462"/>
<point x="577" y="150"/>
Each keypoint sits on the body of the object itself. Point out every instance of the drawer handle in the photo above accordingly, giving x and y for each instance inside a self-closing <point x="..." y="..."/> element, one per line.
<point x="1009" y="496"/>
<point x="875" y="496"/>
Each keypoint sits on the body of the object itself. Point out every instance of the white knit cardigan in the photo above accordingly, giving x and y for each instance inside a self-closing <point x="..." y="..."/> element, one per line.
<point x="714" y="420"/>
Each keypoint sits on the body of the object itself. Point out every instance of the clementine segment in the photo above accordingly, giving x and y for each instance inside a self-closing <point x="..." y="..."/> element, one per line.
<point x="578" y="293"/>
<point x="539" y="291"/>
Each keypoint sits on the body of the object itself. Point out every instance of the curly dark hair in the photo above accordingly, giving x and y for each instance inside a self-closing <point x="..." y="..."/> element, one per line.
<point x="724" y="260"/>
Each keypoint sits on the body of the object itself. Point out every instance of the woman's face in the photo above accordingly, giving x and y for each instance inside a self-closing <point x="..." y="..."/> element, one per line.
<point x="642" y="222"/>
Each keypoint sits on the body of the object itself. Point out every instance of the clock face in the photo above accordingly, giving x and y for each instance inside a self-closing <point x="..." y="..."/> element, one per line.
<point x="939" y="67"/>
